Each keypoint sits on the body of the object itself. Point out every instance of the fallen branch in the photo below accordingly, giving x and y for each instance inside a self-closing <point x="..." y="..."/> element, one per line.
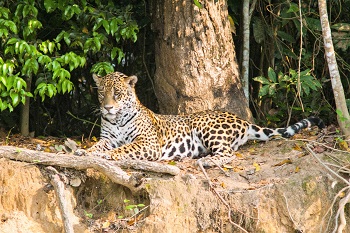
<point x="109" y="168"/>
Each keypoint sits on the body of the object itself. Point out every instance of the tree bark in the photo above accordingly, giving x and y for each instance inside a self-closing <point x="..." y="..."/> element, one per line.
<point x="196" y="67"/>
<point x="246" y="49"/>
<point x="24" y="119"/>
<point x="338" y="90"/>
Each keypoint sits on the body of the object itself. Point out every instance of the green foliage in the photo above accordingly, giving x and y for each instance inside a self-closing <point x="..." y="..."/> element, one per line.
<point x="287" y="83"/>
<point x="134" y="208"/>
<point x="87" y="214"/>
<point x="288" y="41"/>
<point x="282" y="89"/>
<point x="341" y="36"/>
<point x="48" y="41"/>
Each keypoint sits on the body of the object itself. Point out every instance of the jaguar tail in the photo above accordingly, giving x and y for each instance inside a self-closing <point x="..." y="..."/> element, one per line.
<point x="263" y="134"/>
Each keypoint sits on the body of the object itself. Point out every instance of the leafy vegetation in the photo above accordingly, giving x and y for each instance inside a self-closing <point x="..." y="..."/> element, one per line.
<point x="282" y="89"/>
<point x="282" y="42"/>
<point x="48" y="47"/>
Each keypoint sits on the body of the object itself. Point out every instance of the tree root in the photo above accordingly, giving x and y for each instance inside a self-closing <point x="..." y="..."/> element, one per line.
<point x="64" y="201"/>
<point x="109" y="168"/>
<point x="200" y="164"/>
<point x="343" y="201"/>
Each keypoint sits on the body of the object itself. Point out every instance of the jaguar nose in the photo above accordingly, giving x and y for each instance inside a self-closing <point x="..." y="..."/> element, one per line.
<point x="108" y="107"/>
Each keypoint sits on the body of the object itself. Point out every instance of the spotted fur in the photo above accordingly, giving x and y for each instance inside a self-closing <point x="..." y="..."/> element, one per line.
<point x="130" y="130"/>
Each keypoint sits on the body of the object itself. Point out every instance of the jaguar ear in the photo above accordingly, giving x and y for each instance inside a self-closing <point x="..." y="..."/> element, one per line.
<point x="97" y="79"/>
<point x="131" y="81"/>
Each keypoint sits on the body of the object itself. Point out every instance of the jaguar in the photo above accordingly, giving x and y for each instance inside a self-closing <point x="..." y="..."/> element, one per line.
<point x="129" y="130"/>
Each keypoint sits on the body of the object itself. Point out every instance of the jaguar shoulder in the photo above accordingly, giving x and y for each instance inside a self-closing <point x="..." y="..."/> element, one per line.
<point x="131" y="131"/>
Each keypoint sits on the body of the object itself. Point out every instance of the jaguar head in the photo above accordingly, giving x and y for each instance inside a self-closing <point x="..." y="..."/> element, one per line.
<point x="116" y="94"/>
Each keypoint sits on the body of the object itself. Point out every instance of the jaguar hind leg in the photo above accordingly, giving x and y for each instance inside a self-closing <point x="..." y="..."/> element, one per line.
<point x="221" y="155"/>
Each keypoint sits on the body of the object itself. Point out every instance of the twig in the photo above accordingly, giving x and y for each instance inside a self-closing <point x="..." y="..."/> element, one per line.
<point x="325" y="166"/>
<point x="220" y="197"/>
<point x="83" y="120"/>
<point x="92" y="129"/>
<point x="134" y="215"/>
<point x="322" y="144"/>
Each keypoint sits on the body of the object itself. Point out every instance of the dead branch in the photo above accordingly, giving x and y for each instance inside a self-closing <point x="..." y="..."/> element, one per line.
<point x="109" y="168"/>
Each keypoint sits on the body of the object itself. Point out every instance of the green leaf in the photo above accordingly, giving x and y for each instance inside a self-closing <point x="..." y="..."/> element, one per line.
<point x="50" y="5"/>
<point x="106" y="26"/>
<point x="130" y="207"/>
<point x="197" y="3"/>
<point x="272" y="89"/>
<point x="65" y="85"/>
<point x="272" y="75"/>
<point x="14" y="97"/>
<point x="102" y="68"/>
<point x="285" y="36"/>
<point x="51" y="46"/>
<point x="12" y="41"/>
<point x="97" y="43"/>
<point x="293" y="8"/>
<point x="114" y="25"/>
<point x="34" y="24"/>
<point x="4" y="33"/>
<point x="309" y="81"/>
<point x="98" y="24"/>
<point x="66" y="38"/>
<point x="342" y="27"/>
<point x="44" y="59"/>
<point x="4" y="12"/>
<point x="262" y="79"/>
<point x="264" y="90"/>
<point x="306" y="89"/>
<point x="51" y="90"/>
<point x="313" y="24"/>
<point x="259" y="30"/>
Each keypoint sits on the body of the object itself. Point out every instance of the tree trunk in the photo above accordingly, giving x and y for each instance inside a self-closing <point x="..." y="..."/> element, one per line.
<point x="196" y="67"/>
<point x="338" y="91"/>
<point x="246" y="49"/>
<point x="24" y="119"/>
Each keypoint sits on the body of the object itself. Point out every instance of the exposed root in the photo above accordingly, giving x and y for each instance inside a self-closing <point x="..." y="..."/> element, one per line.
<point x="64" y="201"/>
<point x="340" y="216"/>
<point x="220" y="197"/>
<point x="110" y="168"/>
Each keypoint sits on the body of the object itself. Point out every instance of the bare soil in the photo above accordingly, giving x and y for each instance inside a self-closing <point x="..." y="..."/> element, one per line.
<point x="275" y="186"/>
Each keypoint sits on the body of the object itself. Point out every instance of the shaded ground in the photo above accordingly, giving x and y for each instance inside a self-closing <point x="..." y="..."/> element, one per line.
<point x="271" y="187"/>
